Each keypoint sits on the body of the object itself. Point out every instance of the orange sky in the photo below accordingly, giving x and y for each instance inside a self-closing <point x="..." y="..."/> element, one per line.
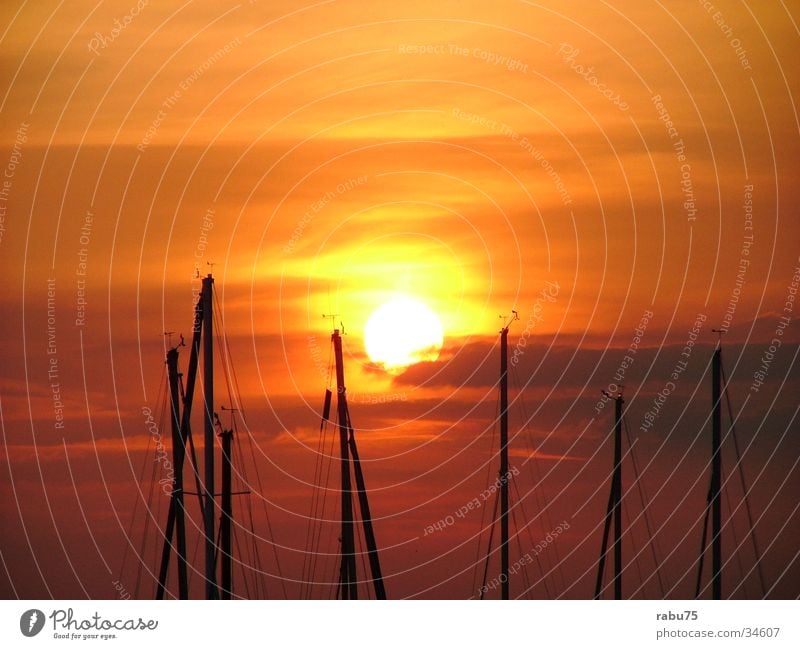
<point x="328" y="156"/>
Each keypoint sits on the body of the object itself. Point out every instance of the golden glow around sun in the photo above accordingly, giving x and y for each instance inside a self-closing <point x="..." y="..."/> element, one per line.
<point x="403" y="332"/>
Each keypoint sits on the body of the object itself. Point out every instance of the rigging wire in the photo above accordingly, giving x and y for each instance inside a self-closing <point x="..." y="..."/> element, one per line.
<point x="316" y="547"/>
<point x="533" y="468"/>
<point x="245" y="551"/>
<point x="148" y="518"/>
<point x="493" y="439"/>
<point x="526" y="584"/>
<point x="630" y="534"/>
<point x="261" y="573"/>
<point x="225" y="357"/>
<point x="252" y="555"/>
<point x="703" y="547"/>
<point x="245" y="581"/>
<point x="645" y="502"/>
<point x="159" y="510"/>
<point x="322" y="490"/>
<point x="313" y="519"/>
<point x="129" y="532"/>
<point x="196" y="471"/>
<point x="745" y="491"/>
<point x="310" y="526"/>
<point x="361" y="552"/>
<point x="491" y="537"/>
<point x="335" y="581"/>
<point x="527" y="527"/>
<point x="268" y="520"/>
<point x="234" y="396"/>
<point x="192" y="453"/>
<point x="732" y="524"/>
<point x="145" y="531"/>
<point x="195" y="552"/>
<point x="333" y="540"/>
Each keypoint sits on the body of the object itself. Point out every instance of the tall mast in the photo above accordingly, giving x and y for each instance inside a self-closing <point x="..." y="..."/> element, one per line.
<point x="176" y="520"/>
<point x="617" y="487"/>
<point x="366" y="519"/>
<point x="716" y="474"/>
<point x="347" y="574"/>
<point x="178" y="454"/>
<point x="208" y="399"/>
<point x="202" y="346"/>
<point x="504" y="475"/>
<point x="348" y="583"/>
<point x="185" y="429"/>
<point x="614" y="510"/>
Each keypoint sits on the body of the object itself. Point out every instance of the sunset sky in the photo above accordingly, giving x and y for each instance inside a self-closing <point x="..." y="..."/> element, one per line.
<point x="614" y="172"/>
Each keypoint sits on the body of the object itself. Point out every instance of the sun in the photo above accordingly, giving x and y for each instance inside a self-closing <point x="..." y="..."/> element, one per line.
<point x="402" y="332"/>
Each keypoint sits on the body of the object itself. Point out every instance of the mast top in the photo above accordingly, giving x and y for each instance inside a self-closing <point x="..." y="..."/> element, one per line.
<point x="170" y="347"/>
<point x="333" y="316"/>
<point x="507" y="320"/>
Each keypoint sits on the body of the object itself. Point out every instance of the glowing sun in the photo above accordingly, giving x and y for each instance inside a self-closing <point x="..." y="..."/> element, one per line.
<point x="403" y="332"/>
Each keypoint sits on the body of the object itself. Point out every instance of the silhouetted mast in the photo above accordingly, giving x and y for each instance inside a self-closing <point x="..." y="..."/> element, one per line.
<point x="347" y="573"/>
<point x="181" y="437"/>
<point x="348" y="583"/>
<point x="504" y="475"/>
<point x="208" y="447"/>
<point x="714" y="503"/>
<point x="366" y="519"/>
<point x="614" y="509"/>
<point x="176" y="519"/>
<point x="716" y="472"/>
<point x="618" y="497"/>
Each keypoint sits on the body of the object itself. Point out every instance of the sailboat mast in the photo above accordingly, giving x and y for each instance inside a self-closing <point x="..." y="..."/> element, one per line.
<point x="617" y="488"/>
<point x="366" y="518"/>
<point x="614" y="508"/>
<point x="504" y="474"/>
<point x="208" y="398"/>
<point x="178" y="454"/>
<point x="176" y="521"/>
<point x="716" y="473"/>
<point x="347" y="574"/>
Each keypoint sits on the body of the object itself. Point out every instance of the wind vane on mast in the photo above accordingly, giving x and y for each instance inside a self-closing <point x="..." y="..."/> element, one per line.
<point x="507" y="320"/>
<point x="333" y="317"/>
<point x="169" y="334"/>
